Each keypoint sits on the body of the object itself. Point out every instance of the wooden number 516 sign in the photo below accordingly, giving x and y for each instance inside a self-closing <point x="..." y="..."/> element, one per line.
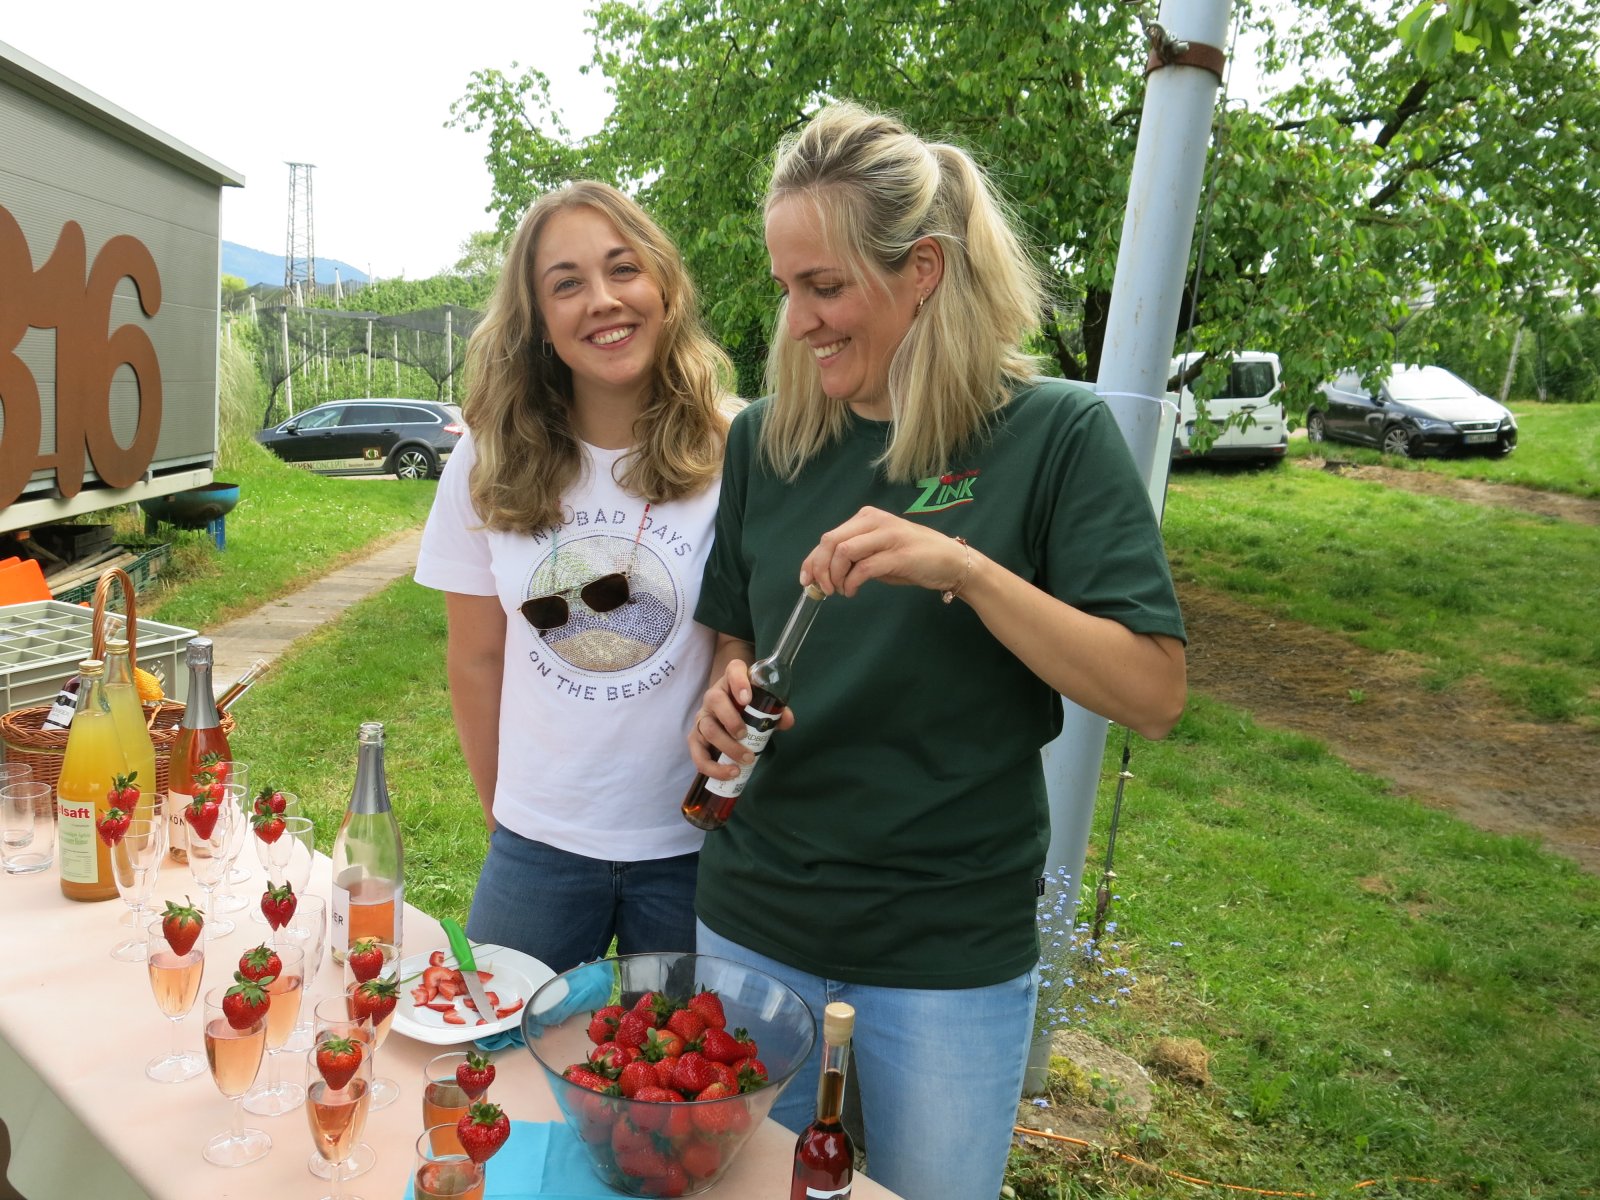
<point x="74" y="300"/>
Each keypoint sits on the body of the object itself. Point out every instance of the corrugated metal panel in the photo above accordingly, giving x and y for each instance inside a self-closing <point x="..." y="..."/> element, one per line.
<point x="55" y="168"/>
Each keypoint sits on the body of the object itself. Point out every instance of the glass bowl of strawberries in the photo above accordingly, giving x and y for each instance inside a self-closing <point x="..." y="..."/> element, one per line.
<point x="664" y="1064"/>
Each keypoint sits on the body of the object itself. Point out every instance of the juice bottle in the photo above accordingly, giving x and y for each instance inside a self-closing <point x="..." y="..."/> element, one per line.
<point x="134" y="737"/>
<point x="199" y="736"/>
<point x="82" y="792"/>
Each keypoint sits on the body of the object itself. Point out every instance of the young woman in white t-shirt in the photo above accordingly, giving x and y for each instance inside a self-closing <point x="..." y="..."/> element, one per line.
<point x="569" y="533"/>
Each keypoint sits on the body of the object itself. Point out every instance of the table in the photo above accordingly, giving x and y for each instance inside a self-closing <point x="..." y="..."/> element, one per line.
<point x="77" y="1027"/>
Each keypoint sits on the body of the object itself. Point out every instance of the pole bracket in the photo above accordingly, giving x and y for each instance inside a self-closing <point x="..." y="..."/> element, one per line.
<point x="1169" y="51"/>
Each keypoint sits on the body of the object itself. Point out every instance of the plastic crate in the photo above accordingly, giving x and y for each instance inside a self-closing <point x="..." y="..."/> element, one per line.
<point x="142" y="570"/>
<point x="42" y="642"/>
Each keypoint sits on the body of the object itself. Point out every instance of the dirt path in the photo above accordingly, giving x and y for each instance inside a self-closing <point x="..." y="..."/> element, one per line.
<point x="1577" y="509"/>
<point x="1460" y="750"/>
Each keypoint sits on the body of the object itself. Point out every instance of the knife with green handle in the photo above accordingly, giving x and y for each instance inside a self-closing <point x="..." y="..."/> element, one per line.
<point x="462" y="950"/>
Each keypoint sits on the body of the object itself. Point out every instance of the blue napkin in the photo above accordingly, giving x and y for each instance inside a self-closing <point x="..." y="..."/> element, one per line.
<point x="587" y="987"/>
<point x="506" y="1039"/>
<point x="542" y="1160"/>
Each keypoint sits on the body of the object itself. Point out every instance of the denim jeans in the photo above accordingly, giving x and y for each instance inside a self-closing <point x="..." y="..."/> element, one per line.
<point x="564" y="908"/>
<point x="940" y="1073"/>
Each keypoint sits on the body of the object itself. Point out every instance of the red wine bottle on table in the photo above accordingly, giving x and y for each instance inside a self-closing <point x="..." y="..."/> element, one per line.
<point x="368" y="860"/>
<point x="824" y="1156"/>
<point x="710" y="801"/>
<point x="200" y="743"/>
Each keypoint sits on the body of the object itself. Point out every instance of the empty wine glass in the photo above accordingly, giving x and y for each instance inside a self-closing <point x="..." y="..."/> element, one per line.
<point x="233" y="1053"/>
<point x="208" y="863"/>
<point x="236" y="798"/>
<point x="175" y="980"/>
<point x="135" y="864"/>
<point x="287" y="858"/>
<point x="308" y="930"/>
<point x="275" y="1096"/>
<point x="331" y="1017"/>
<point x="337" y="1115"/>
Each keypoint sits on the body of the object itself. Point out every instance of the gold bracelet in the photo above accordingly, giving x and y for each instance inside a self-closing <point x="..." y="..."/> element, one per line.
<point x="966" y="574"/>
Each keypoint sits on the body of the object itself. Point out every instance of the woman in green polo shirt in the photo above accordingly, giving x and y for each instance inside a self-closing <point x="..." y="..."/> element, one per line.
<point x="885" y="851"/>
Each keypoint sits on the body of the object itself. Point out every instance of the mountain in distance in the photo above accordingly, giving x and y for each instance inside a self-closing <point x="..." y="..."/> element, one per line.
<point x="257" y="266"/>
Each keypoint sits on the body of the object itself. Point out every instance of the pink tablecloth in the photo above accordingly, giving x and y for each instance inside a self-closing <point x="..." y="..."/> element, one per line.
<point x="76" y="1029"/>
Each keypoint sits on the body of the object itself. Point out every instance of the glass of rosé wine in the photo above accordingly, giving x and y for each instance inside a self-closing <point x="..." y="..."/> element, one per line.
<point x="331" y="1018"/>
<point x="308" y="930"/>
<point x="372" y="986"/>
<point x="338" y="1095"/>
<point x="236" y="1039"/>
<point x="274" y="1096"/>
<point x="443" y="1169"/>
<point x="175" y="980"/>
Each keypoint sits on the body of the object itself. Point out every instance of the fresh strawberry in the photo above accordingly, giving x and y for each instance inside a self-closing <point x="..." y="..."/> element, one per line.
<point x="482" y="1130"/>
<point x="662" y="1043"/>
<point x="202" y="813"/>
<point x="726" y="1075"/>
<point x="246" y="1002"/>
<point x="631" y="1030"/>
<point x="635" y="1076"/>
<point x="719" y="1118"/>
<point x="603" y="1024"/>
<point x="278" y="903"/>
<point x="653" y="1007"/>
<point x="124" y="793"/>
<point x="720" y="1046"/>
<point x="687" y="1024"/>
<point x="374" y="1000"/>
<point x="585" y="1078"/>
<point x="268" y="825"/>
<point x="181" y="925"/>
<point x="365" y="959"/>
<point x="609" y="1058"/>
<point x="708" y="1006"/>
<point x="338" y="1059"/>
<point x="270" y="799"/>
<point x="699" y="1158"/>
<point x="693" y="1074"/>
<point x="112" y="825"/>
<point x="475" y="1075"/>
<point x="751" y="1073"/>
<point x="672" y="1180"/>
<point x="665" y="1069"/>
<point x="260" y="963"/>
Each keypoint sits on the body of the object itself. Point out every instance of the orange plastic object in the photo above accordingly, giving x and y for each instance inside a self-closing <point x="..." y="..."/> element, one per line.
<point x="21" y="582"/>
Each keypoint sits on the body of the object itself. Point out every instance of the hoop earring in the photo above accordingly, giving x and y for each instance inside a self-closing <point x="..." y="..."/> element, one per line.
<point x="921" y="300"/>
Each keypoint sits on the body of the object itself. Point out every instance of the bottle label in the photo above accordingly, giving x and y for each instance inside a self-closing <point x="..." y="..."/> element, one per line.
<point x="339" y="919"/>
<point x="758" y="728"/>
<point x="177" y="827"/>
<point x="63" y="710"/>
<point x="75" y="838"/>
<point x="836" y="1194"/>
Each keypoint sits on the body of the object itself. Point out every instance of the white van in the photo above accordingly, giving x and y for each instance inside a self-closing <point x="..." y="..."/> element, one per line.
<point x="1247" y="417"/>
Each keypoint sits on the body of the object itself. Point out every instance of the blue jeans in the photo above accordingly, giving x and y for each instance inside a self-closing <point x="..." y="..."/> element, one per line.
<point x="940" y="1073"/>
<point x="564" y="909"/>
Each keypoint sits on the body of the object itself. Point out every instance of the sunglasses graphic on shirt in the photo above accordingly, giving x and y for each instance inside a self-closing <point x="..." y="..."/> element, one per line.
<point x="603" y="594"/>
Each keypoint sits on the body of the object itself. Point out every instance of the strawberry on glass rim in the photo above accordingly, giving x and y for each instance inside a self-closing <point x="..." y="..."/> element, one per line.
<point x="365" y="959"/>
<point x="181" y="925"/>
<point x="338" y="1059"/>
<point x="112" y="825"/>
<point x="270" y="799"/>
<point x="278" y="903"/>
<point x="268" y="825"/>
<point x="247" y="1001"/>
<point x="260" y="963"/>
<point x="483" y="1129"/>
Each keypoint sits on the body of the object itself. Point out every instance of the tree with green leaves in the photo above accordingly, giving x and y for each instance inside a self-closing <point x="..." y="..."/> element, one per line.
<point x="1382" y="175"/>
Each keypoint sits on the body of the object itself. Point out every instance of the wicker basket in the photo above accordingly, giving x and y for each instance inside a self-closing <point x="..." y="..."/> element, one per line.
<point x="28" y="742"/>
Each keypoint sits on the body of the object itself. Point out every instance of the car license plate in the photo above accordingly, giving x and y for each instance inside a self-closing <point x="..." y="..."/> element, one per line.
<point x="1479" y="437"/>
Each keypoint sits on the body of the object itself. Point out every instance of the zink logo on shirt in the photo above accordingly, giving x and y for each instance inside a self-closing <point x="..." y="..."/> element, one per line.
<point x="940" y="492"/>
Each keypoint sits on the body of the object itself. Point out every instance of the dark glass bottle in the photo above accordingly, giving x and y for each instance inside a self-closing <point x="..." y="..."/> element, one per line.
<point x="710" y="801"/>
<point x="824" y="1155"/>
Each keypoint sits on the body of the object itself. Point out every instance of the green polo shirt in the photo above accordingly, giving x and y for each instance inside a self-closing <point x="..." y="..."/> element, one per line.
<point x="893" y="836"/>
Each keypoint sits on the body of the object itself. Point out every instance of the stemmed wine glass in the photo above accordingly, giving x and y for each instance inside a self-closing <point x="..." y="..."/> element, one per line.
<point x="307" y="930"/>
<point x="208" y="863"/>
<point x="274" y="1097"/>
<point x="369" y="982"/>
<point x="234" y="1054"/>
<point x="288" y="858"/>
<point x="135" y="864"/>
<point x="337" y="1115"/>
<point x="236" y="793"/>
<point x="331" y="1018"/>
<point x="443" y="1168"/>
<point x="175" y="980"/>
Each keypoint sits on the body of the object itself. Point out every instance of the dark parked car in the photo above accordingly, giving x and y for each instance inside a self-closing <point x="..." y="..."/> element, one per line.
<point x="1415" y="411"/>
<point x="408" y="438"/>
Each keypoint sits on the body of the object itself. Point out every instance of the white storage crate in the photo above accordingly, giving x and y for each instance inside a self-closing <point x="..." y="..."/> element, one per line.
<point x="43" y="641"/>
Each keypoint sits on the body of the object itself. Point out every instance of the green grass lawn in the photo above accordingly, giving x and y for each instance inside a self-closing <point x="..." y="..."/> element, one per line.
<point x="1472" y="590"/>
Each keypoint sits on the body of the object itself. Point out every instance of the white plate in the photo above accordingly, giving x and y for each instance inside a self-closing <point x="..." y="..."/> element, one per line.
<point x="516" y="977"/>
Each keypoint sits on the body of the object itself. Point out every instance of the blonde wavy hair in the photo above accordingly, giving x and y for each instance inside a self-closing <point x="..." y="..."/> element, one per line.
<point x="879" y="189"/>
<point x="519" y="401"/>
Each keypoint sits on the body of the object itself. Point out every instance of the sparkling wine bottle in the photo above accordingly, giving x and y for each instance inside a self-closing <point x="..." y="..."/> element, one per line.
<point x="243" y="684"/>
<point x="200" y="737"/>
<point x="824" y="1155"/>
<point x="368" y="859"/>
<point x="710" y="801"/>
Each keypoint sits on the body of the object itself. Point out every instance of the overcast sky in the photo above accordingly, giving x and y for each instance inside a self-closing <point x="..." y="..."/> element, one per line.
<point x="361" y="90"/>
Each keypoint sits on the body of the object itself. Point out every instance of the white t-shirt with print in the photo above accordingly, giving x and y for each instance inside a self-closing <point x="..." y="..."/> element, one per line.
<point x="594" y="715"/>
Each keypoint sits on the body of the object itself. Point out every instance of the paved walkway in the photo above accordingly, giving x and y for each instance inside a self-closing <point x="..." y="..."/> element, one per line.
<point x="271" y="629"/>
